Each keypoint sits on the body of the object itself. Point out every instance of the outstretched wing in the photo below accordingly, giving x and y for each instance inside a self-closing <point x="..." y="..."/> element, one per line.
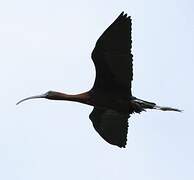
<point x="113" y="59"/>
<point x="111" y="125"/>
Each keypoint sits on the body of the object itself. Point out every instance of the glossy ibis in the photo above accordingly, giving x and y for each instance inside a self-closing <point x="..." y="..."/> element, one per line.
<point x="111" y="93"/>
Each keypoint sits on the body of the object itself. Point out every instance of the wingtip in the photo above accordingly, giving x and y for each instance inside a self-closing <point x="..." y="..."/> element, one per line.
<point x="125" y="16"/>
<point x="123" y="145"/>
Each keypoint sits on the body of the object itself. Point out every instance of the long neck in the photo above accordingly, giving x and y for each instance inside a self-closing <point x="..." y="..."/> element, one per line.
<point x="82" y="98"/>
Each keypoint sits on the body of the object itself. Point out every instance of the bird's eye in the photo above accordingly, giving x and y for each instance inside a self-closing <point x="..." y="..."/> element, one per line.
<point x="48" y="93"/>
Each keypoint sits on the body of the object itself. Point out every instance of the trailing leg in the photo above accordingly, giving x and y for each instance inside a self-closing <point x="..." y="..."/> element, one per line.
<point x="150" y="105"/>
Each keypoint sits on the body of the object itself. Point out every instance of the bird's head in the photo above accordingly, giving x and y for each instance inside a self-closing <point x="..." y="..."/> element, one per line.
<point x="47" y="95"/>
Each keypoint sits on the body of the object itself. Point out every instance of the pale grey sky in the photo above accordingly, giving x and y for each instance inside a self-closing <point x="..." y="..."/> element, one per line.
<point x="48" y="140"/>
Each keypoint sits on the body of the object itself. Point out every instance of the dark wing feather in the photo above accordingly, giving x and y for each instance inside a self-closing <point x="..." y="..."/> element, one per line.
<point x="113" y="59"/>
<point x="111" y="125"/>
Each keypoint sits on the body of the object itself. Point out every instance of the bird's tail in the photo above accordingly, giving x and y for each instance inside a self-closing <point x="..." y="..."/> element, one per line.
<point x="150" y="105"/>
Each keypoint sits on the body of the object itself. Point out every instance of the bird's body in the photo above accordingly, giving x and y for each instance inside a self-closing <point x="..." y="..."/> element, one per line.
<point x="111" y="94"/>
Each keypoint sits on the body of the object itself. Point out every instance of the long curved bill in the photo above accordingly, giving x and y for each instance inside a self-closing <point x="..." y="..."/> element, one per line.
<point x="31" y="97"/>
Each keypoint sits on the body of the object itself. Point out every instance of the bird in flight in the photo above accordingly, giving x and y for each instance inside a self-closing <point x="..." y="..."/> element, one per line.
<point x="111" y="94"/>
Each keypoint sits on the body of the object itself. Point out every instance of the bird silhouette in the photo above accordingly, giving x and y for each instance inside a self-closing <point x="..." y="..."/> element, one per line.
<point x="111" y="94"/>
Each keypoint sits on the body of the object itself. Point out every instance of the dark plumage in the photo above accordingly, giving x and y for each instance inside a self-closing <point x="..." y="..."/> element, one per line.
<point x="111" y="93"/>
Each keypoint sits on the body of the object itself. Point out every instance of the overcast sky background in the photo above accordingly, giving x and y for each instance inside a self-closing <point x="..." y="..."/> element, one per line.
<point x="46" y="45"/>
